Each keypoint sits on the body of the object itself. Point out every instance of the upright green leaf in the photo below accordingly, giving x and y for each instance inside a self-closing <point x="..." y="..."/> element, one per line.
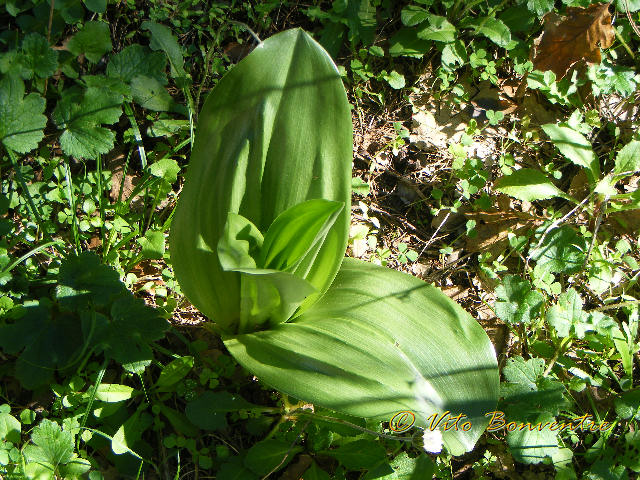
<point x="379" y="342"/>
<point x="438" y="29"/>
<point x="275" y="132"/>
<point x="162" y="39"/>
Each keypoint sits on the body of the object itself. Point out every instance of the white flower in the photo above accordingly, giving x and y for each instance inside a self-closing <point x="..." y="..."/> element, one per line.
<point x="432" y="440"/>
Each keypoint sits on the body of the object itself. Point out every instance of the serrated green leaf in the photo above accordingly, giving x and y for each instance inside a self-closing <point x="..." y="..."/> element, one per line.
<point x="21" y="118"/>
<point x="51" y="444"/>
<point x="531" y="446"/>
<point x="566" y="313"/>
<point x="81" y="115"/>
<point x="113" y="392"/>
<point x="174" y="371"/>
<point x="562" y="251"/>
<point x="516" y="302"/>
<point x="628" y="158"/>
<point x="438" y="29"/>
<point x="93" y="40"/>
<point x="39" y="57"/>
<point x="574" y="147"/>
<point x="267" y="455"/>
<point x="528" y="184"/>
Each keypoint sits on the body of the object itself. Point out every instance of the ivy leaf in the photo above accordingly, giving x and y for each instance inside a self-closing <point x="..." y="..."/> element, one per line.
<point x="39" y="57"/>
<point x="136" y="60"/>
<point x="81" y="117"/>
<point x="517" y="302"/>
<point x="562" y="251"/>
<point x="93" y="40"/>
<point x="51" y="444"/>
<point x="21" y="118"/>
<point x="628" y="158"/>
<point x="528" y="184"/>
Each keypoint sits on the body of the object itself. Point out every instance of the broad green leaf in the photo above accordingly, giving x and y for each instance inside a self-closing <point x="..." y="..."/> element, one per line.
<point x="275" y="132"/>
<point x="162" y="39"/>
<point x="113" y="392"/>
<point x="627" y="405"/>
<point x="166" y="168"/>
<point x="354" y="351"/>
<point x="533" y="445"/>
<point x="130" y="432"/>
<point x="494" y="29"/>
<point x="438" y="29"/>
<point x="240" y="243"/>
<point x="152" y="244"/>
<point x="10" y="428"/>
<point x="175" y="371"/>
<point x="574" y="147"/>
<point x="235" y="470"/>
<point x="75" y="467"/>
<point x="180" y="422"/>
<point x="39" y="57"/>
<point x="298" y="232"/>
<point x="528" y="184"/>
<point x="21" y="118"/>
<point x="562" y="251"/>
<point x="516" y="302"/>
<point x="93" y="40"/>
<point x="97" y="6"/>
<point x="406" y="43"/>
<point x="268" y="455"/>
<point x="395" y="80"/>
<point x="540" y="7"/>
<point x="316" y="473"/>
<point x="412" y="15"/>
<point x="628" y="158"/>
<point x="149" y="93"/>
<point x="454" y="54"/>
<point x="81" y="116"/>
<point x="568" y="318"/>
<point x="136" y="60"/>
<point x="359" y="454"/>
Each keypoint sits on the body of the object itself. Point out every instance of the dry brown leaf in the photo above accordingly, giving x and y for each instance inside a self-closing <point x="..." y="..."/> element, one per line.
<point x="577" y="36"/>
